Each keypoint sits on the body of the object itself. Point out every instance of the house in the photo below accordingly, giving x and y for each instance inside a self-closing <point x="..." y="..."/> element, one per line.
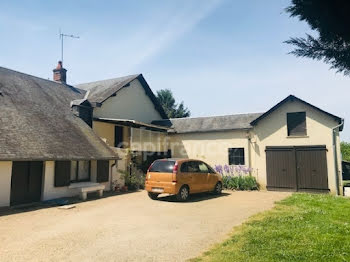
<point x="56" y="139"/>
<point x="123" y="111"/>
<point x="46" y="149"/>
<point x="293" y="146"/>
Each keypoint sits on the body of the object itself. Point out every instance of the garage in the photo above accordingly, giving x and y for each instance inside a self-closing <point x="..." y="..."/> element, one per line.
<point x="297" y="168"/>
<point x="26" y="182"/>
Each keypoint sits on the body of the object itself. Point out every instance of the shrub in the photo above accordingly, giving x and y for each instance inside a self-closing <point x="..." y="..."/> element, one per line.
<point x="135" y="180"/>
<point x="345" y="150"/>
<point x="237" y="177"/>
<point x="240" y="182"/>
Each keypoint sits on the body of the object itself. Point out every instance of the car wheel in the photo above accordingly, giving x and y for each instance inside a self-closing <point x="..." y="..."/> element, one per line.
<point x="153" y="195"/>
<point x="183" y="193"/>
<point x="218" y="188"/>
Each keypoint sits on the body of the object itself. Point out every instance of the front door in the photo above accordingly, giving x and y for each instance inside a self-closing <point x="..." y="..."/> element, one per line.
<point x="280" y="168"/>
<point x="26" y="182"/>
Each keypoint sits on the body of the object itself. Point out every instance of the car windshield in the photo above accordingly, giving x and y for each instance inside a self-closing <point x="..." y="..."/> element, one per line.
<point x="162" y="166"/>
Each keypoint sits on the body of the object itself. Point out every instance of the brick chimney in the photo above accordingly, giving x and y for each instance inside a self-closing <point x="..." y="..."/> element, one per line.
<point x="60" y="73"/>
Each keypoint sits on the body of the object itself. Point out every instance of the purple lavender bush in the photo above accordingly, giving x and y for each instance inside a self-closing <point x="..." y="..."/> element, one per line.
<point x="237" y="177"/>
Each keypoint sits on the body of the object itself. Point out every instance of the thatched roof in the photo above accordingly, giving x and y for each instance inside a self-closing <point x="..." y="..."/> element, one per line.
<point x="36" y="121"/>
<point x="209" y="124"/>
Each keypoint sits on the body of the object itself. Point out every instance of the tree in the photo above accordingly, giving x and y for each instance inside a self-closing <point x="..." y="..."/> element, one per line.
<point x="173" y="110"/>
<point x="330" y="19"/>
<point x="345" y="150"/>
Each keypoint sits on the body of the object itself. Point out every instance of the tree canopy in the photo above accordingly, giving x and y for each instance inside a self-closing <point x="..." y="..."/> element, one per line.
<point x="330" y="19"/>
<point x="171" y="108"/>
<point x="345" y="150"/>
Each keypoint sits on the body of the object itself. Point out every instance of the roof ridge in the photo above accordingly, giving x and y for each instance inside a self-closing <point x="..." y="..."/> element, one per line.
<point x="292" y="98"/>
<point x="212" y="116"/>
<point x="109" y="79"/>
<point x="49" y="80"/>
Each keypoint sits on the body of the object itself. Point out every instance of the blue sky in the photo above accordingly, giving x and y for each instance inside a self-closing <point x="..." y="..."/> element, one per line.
<point x="218" y="56"/>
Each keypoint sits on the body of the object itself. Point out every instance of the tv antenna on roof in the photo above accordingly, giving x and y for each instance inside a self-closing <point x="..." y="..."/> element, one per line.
<point x="62" y="36"/>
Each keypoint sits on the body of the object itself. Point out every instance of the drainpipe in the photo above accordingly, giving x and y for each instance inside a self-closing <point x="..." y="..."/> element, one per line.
<point x="336" y="155"/>
<point x="131" y="137"/>
<point x="249" y="150"/>
<point x="111" y="178"/>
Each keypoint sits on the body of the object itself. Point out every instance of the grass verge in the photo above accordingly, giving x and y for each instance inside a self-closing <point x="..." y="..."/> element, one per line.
<point x="303" y="227"/>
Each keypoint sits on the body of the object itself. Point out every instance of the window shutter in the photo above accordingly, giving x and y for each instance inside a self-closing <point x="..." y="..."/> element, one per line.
<point x="296" y="123"/>
<point x="102" y="171"/>
<point x="62" y="173"/>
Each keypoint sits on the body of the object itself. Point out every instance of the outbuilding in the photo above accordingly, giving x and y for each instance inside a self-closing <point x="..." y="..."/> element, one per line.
<point x="293" y="146"/>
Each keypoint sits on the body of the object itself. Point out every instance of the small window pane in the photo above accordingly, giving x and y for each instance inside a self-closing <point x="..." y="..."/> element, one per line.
<point x="73" y="171"/>
<point x="84" y="170"/>
<point x="80" y="171"/>
<point x="236" y="156"/>
<point x="203" y="168"/>
<point x="193" y="167"/>
<point x="211" y="170"/>
<point x="162" y="166"/>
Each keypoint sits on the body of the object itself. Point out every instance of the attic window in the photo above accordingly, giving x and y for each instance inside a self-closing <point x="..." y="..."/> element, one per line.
<point x="296" y="124"/>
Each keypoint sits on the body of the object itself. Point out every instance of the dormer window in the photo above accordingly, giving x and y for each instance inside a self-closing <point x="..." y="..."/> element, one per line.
<point x="296" y="124"/>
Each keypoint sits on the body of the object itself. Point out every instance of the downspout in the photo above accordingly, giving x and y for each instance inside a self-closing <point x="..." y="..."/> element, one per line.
<point x="336" y="155"/>
<point x="111" y="182"/>
<point x="131" y="137"/>
<point x="249" y="150"/>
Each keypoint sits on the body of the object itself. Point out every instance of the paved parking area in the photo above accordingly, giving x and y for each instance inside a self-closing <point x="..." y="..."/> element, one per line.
<point x="128" y="227"/>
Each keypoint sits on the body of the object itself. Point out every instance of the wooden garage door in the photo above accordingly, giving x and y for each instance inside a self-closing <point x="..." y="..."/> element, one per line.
<point x="280" y="164"/>
<point x="297" y="168"/>
<point x="312" y="168"/>
<point x="26" y="182"/>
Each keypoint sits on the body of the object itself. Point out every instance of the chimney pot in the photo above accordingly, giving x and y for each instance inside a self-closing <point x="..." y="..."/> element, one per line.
<point x="60" y="73"/>
<point x="59" y="65"/>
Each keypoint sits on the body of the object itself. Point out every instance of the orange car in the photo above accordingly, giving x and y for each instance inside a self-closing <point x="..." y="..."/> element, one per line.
<point x="181" y="177"/>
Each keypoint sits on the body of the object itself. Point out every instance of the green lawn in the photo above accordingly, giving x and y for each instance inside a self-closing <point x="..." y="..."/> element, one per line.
<point x="303" y="227"/>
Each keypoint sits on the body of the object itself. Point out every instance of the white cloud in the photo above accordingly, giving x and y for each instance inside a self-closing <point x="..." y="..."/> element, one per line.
<point x="135" y="46"/>
<point x="178" y="24"/>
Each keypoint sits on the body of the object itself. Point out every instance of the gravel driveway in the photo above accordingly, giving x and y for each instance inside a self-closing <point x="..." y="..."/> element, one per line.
<point x="128" y="227"/>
